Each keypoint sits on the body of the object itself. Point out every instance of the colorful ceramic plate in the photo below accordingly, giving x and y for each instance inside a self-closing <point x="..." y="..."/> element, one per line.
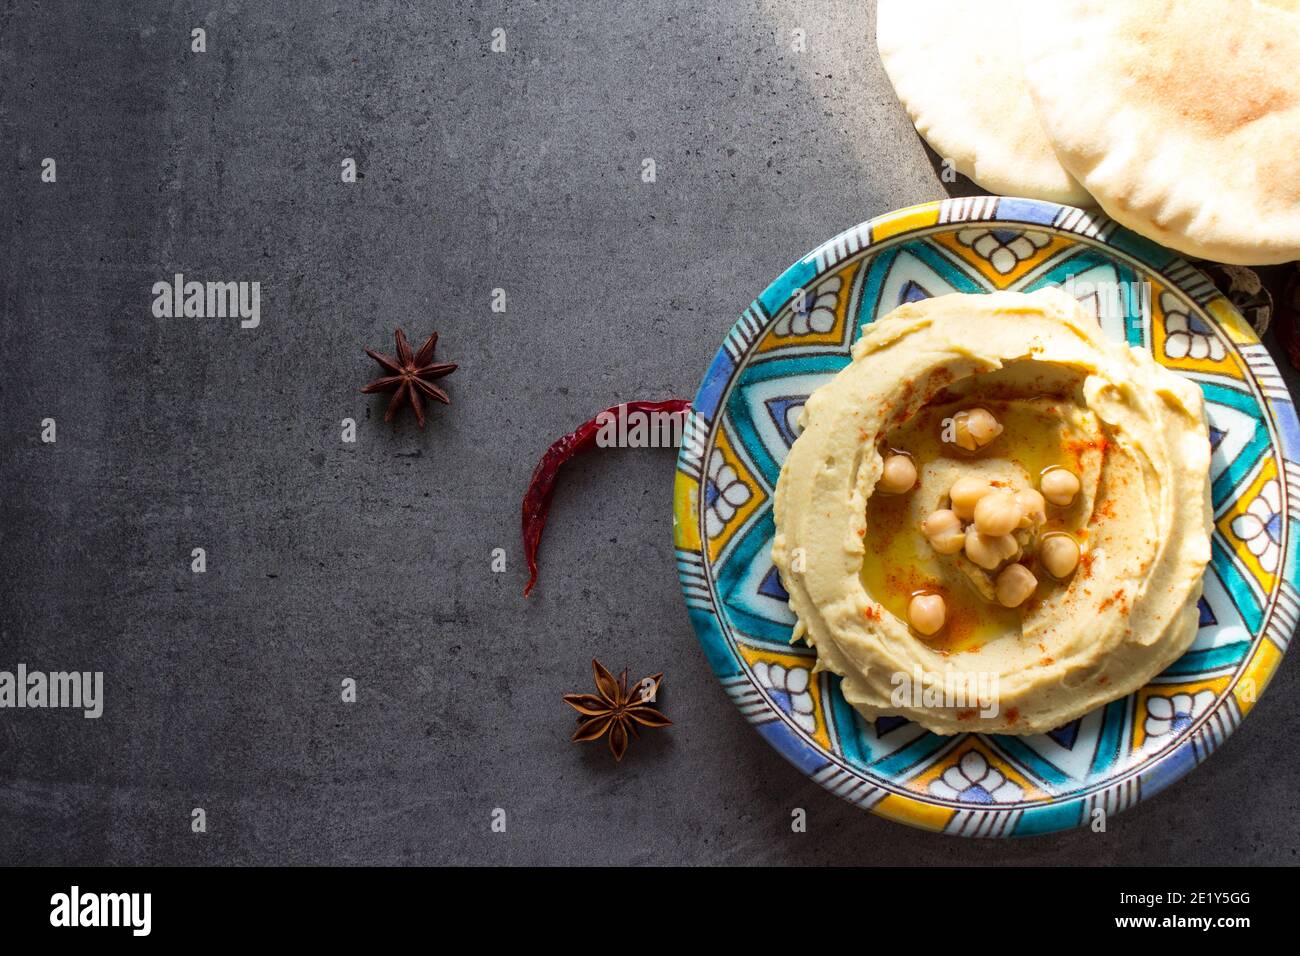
<point x="797" y="335"/>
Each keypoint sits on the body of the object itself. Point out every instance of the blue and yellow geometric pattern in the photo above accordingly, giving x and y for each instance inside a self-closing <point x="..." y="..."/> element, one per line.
<point x="797" y="335"/>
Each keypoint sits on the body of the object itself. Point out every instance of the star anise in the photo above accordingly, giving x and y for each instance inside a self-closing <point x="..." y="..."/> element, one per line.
<point x="412" y="376"/>
<point x="615" y="709"/>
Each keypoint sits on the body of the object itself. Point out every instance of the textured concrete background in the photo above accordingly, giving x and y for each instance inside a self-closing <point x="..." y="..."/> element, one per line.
<point x="328" y="560"/>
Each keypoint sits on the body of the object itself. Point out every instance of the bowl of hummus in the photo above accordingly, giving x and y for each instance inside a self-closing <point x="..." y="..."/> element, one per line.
<point x="993" y="493"/>
<point x="984" y="516"/>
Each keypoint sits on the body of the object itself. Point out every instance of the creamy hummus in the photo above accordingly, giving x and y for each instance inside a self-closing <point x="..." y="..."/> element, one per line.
<point x="852" y="558"/>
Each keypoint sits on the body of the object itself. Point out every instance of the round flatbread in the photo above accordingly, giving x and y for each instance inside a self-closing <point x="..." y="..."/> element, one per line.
<point x="955" y="66"/>
<point x="1181" y="117"/>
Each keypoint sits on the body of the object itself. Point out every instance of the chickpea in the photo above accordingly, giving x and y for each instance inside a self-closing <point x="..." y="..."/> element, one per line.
<point x="1033" y="508"/>
<point x="1059" y="485"/>
<point x="966" y="493"/>
<point x="988" y="551"/>
<point x="898" y="475"/>
<point x="974" y="428"/>
<point x="944" y="531"/>
<point x="1014" y="585"/>
<point x="926" y="612"/>
<point x="997" y="513"/>
<point x="982" y="426"/>
<point x="1059" y="554"/>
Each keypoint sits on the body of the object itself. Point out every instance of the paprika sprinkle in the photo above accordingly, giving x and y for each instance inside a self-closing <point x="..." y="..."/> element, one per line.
<point x="537" y="499"/>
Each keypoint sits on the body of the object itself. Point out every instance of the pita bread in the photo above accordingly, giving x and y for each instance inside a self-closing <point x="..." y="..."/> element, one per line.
<point x="954" y="65"/>
<point x="1181" y="117"/>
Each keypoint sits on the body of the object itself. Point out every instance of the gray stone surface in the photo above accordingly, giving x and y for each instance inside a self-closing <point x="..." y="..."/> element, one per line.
<point x="517" y="170"/>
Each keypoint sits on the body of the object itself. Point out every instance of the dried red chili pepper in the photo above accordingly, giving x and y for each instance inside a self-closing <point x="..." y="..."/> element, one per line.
<point x="537" y="499"/>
